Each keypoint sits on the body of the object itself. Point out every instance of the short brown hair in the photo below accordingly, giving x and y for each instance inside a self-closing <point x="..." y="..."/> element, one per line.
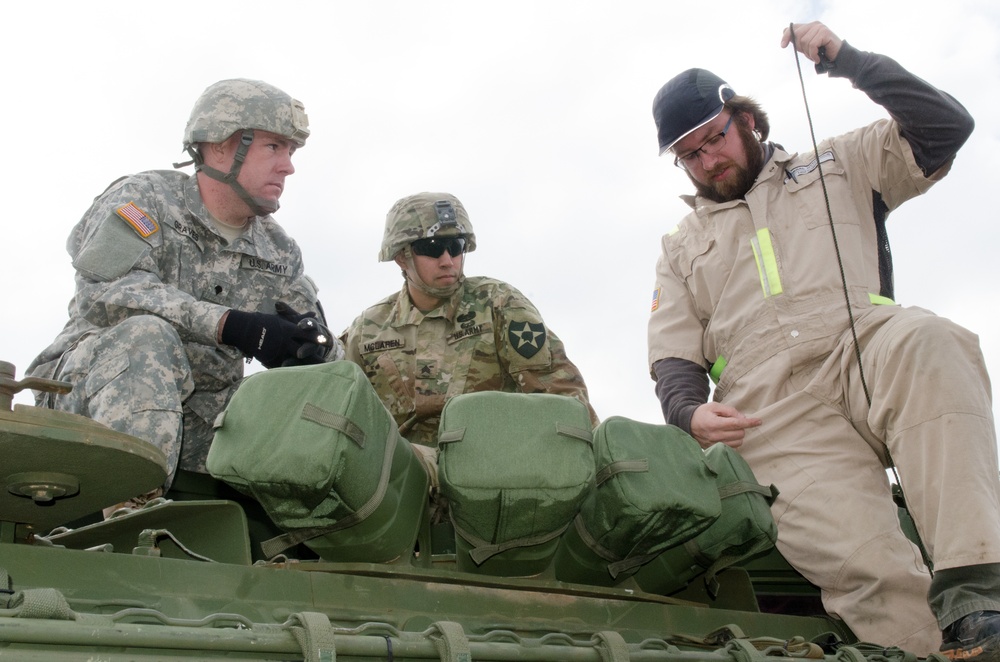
<point x="741" y="104"/>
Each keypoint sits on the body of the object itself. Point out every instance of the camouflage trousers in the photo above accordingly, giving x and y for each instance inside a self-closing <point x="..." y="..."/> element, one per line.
<point x="135" y="378"/>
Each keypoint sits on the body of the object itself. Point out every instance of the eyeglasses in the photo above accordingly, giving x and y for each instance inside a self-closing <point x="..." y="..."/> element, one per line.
<point x="435" y="248"/>
<point x="710" y="146"/>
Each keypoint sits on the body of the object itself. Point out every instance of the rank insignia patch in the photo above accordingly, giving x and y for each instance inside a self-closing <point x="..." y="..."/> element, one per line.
<point x="526" y="338"/>
<point x="137" y="218"/>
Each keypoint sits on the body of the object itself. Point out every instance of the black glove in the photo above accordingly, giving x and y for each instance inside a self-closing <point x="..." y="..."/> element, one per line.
<point x="271" y="339"/>
<point x="318" y="342"/>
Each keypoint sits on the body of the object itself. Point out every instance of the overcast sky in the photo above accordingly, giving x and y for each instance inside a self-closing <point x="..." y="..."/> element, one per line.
<point x="535" y="114"/>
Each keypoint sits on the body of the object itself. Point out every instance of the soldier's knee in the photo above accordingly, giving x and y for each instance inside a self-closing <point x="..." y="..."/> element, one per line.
<point x="141" y="360"/>
<point x="145" y="329"/>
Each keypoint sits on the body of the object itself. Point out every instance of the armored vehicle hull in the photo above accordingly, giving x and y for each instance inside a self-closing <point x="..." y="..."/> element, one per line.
<point x="182" y="579"/>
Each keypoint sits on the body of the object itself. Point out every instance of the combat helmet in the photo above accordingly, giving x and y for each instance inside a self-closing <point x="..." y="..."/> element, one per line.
<point x="241" y="104"/>
<point x="422" y="216"/>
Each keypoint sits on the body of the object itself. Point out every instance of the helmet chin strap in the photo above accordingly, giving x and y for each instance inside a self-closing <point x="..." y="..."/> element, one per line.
<point x="411" y="276"/>
<point x="259" y="206"/>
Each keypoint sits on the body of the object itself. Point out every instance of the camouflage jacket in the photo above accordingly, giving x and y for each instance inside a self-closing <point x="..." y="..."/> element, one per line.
<point x="147" y="246"/>
<point x="487" y="336"/>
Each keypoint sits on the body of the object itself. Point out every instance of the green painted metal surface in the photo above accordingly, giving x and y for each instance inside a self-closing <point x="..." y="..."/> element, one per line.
<point x="179" y="580"/>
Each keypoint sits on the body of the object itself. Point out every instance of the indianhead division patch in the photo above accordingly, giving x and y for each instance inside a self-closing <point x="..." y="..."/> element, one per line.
<point x="138" y="219"/>
<point x="656" y="300"/>
<point x="526" y="338"/>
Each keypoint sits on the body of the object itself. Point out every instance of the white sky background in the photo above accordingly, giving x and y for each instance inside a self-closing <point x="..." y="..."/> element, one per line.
<point x="535" y="114"/>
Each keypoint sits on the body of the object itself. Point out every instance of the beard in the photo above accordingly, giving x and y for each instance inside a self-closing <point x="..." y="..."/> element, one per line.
<point x="741" y="178"/>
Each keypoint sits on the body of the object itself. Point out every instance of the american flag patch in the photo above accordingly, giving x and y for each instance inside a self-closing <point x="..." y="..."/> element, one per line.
<point x="656" y="299"/>
<point x="137" y="218"/>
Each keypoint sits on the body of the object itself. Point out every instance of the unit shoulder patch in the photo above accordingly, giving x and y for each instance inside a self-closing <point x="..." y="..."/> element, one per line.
<point x="526" y="337"/>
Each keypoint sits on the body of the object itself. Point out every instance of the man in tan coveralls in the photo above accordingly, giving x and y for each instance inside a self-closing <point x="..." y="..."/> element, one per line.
<point x="445" y="334"/>
<point x="748" y="290"/>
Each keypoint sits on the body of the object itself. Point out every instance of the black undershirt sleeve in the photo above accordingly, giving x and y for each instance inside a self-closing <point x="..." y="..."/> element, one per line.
<point x="932" y="122"/>
<point x="681" y="386"/>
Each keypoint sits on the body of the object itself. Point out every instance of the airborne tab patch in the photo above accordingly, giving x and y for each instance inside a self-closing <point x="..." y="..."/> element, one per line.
<point x="138" y="219"/>
<point x="526" y="338"/>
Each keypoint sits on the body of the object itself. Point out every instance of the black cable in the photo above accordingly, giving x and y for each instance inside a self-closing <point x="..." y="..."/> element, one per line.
<point x="823" y="66"/>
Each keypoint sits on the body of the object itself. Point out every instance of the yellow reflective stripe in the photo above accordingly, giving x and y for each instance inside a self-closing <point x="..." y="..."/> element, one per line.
<point x="878" y="300"/>
<point x="717" y="368"/>
<point x="767" y="266"/>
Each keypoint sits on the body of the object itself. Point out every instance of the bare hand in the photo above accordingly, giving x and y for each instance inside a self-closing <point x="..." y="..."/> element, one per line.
<point x="810" y="37"/>
<point x="714" y="423"/>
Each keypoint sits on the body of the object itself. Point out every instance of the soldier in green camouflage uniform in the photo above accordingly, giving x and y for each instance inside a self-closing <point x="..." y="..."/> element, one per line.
<point x="445" y="334"/>
<point x="178" y="278"/>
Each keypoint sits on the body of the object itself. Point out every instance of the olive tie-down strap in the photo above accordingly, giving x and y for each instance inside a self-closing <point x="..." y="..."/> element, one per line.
<point x="6" y="588"/>
<point x="314" y="634"/>
<point x="47" y="603"/>
<point x="611" y="646"/>
<point x="450" y="640"/>
<point x="742" y="647"/>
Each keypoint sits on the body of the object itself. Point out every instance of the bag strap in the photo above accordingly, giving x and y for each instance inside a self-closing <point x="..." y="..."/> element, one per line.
<point x="575" y="432"/>
<point x="451" y="436"/>
<point x="752" y="547"/>
<point x="622" y="466"/>
<point x="616" y="565"/>
<point x="483" y="550"/>
<point x="591" y="542"/>
<point x="278" y="544"/>
<point x="338" y="422"/>
<point x="770" y="493"/>
<point x="757" y="545"/>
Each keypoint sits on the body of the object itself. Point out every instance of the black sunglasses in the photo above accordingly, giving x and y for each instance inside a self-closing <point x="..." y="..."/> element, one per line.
<point x="435" y="248"/>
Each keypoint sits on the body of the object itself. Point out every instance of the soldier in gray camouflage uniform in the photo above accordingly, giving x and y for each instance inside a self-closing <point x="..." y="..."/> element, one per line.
<point x="444" y="333"/>
<point x="179" y="278"/>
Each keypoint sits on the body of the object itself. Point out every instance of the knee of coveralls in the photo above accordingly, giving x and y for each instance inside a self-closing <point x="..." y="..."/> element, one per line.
<point x="932" y="408"/>
<point x="837" y="524"/>
<point x="878" y="588"/>
<point x="132" y="377"/>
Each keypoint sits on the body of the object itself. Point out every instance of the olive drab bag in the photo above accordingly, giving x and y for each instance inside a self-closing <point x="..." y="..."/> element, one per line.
<point x="654" y="490"/>
<point x="515" y="468"/>
<point x="745" y="529"/>
<point x="317" y="448"/>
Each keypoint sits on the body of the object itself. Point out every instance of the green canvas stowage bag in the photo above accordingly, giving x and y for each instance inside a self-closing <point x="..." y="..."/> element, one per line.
<point x="514" y="468"/>
<point x="317" y="448"/>
<point x="745" y="529"/>
<point x="654" y="490"/>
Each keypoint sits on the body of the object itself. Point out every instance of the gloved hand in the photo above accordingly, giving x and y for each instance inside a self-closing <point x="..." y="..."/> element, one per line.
<point x="318" y="339"/>
<point x="271" y="339"/>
